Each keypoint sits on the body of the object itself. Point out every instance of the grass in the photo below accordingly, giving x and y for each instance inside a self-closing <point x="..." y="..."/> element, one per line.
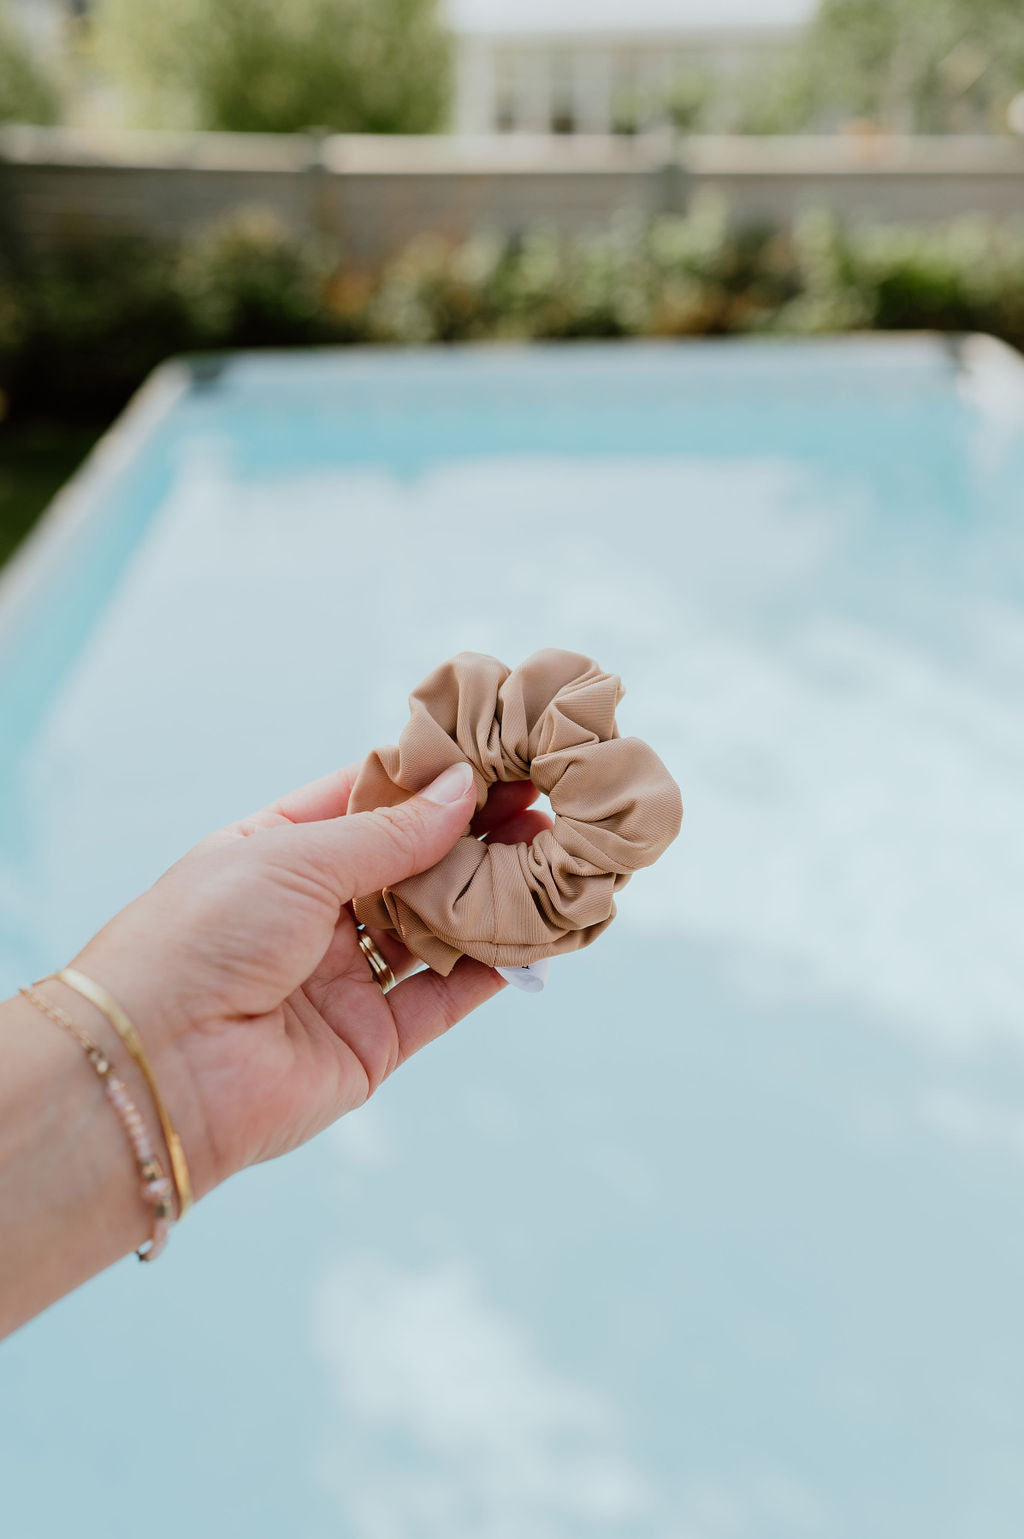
<point x="36" y="458"/>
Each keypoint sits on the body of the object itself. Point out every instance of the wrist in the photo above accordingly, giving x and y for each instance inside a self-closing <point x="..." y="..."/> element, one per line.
<point x="69" y="1191"/>
<point x="163" y="1034"/>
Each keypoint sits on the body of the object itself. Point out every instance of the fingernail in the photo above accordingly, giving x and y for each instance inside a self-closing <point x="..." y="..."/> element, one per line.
<point x="451" y="785"/>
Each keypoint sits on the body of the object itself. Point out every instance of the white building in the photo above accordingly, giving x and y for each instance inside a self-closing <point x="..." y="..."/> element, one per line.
<point x="604" y="66"/>
<point x="602" y="82"/>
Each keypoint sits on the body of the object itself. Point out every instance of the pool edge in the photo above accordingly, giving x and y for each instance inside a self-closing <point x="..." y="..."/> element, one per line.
<point x="30" y="564"/>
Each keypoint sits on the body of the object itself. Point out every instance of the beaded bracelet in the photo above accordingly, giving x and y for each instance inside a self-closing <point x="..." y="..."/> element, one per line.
<point x="105" y="1002"/>
<point x="156" y="1187"/>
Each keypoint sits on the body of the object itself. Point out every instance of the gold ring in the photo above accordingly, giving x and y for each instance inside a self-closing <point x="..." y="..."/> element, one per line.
<point x="378" y="963"/>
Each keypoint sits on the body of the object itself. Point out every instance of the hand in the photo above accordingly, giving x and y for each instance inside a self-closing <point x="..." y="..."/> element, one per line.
<point x="241" y="970"/>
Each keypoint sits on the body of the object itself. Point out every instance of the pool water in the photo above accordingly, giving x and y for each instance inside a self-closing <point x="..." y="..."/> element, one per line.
<point x="720" y="1236"/>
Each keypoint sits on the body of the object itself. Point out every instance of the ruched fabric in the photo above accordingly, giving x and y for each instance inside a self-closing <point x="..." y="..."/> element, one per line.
<point x="551" y="720"/>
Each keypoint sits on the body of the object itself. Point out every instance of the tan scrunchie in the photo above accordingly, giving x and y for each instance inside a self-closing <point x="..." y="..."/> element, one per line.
<point x="552" y="721"/>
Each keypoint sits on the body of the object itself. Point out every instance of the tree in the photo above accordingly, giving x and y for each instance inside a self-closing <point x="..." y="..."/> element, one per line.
<point x="279" y="66"/>
<point x="27" y="93"/>
<point x="912" y="66"/>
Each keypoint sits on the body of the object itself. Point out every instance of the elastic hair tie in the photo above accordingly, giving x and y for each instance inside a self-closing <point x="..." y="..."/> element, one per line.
<point x="552" y="721"/>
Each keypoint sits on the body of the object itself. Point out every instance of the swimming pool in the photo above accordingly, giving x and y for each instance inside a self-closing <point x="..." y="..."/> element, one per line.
<point x="720" y="1235"/>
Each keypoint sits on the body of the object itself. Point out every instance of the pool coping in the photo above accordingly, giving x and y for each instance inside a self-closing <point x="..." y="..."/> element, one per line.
<point x="985" y="363"/>
<point x="67" y="516"/>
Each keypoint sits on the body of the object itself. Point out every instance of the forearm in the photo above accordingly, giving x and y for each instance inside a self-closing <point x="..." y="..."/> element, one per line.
<point x="70" y="1201"/>
<point x="243" y="977"/>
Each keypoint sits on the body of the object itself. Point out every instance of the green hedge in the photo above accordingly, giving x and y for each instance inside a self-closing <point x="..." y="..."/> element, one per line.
<point x="77" y="336"/>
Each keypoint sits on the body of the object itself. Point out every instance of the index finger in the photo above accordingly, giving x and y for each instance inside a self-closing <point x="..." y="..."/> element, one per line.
<point x="426" y="1005"/>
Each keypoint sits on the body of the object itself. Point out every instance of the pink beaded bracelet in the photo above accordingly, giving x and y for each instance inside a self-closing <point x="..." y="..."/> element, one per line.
<point x="156" y="1187"/>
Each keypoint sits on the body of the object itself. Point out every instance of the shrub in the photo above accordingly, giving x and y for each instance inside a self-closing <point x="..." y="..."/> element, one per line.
<point x="245" y="282"/>
<point x="80" y="333"/>
<point x="967" y="275"/>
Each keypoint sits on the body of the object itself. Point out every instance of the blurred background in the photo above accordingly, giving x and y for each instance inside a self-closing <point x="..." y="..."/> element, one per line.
<point x="720" y="1236"/>
<point x="223" y="173"/>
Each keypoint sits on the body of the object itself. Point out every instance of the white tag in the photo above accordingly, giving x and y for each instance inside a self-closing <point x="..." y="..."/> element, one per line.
<point x="531" y="979"/>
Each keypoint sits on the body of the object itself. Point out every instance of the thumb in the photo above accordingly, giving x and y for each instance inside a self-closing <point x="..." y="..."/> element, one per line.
<point x="365" y="851"/>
